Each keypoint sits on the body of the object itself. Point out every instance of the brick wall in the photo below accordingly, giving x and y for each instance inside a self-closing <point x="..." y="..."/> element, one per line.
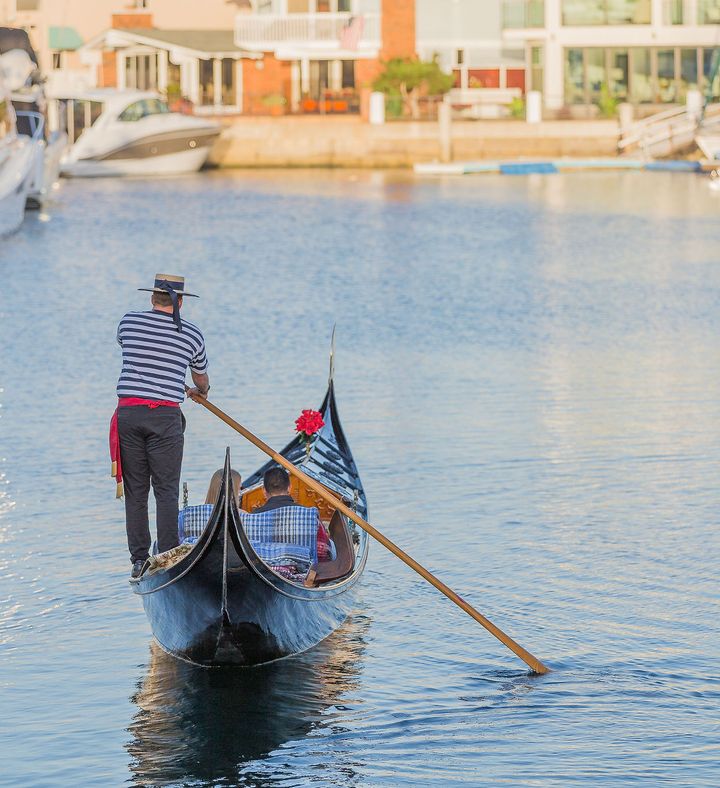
<point x="262" y="79"/>
<point x="107" y="73"/>
<point x="398" y="29"/>
<point x="128" y="21"/>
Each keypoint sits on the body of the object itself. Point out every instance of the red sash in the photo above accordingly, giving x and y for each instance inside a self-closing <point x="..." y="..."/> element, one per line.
<point x="116" y="463"/>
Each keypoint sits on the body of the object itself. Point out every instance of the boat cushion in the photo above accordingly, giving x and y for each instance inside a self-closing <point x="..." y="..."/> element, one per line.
<point x="192" y="521"/>
<point x="286" y="533"/>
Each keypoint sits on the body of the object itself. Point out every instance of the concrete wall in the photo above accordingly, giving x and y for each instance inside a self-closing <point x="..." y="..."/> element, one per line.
<point x="347" y="142"/>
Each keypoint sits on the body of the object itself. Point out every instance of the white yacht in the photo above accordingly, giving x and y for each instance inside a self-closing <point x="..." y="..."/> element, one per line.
<point x="18" y="159"/>
<point x="20" y="74"/>
<point x="130" y="132"/>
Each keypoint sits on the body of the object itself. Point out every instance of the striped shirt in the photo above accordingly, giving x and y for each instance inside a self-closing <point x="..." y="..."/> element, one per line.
<point x="156" y="355"/>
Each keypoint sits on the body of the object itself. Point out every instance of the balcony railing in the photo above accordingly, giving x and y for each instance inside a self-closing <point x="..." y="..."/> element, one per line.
<point x="341" y="31"/>
<point x="520" y="14"/>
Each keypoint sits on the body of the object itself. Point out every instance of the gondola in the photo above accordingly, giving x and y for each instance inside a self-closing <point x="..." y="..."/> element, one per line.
<point x="220" y="604"/>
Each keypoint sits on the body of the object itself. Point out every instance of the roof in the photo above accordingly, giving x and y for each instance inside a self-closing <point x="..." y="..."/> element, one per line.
<point x="199" y="40"/>
<point x="64" y="38"/>
<point x="207" y="43"/>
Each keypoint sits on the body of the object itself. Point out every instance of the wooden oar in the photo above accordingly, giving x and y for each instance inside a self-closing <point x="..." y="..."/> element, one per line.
<point x="524" y="655"/>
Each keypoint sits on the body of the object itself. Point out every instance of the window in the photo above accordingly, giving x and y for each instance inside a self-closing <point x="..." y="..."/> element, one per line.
<point x="141" y="72"/>
<point x="57" y="60"/>
<point x="229" y="98"/>
<point x="710" y="58"/>
<point x="206" y="82"/>
<point x="348" y="74"/>
<point x="143" y="109"/>
<point x="641" y="82"/>
<point x="459" y="56"/>
<point x="574" y="77"/>
<point x="606" y="12"/>
<point x="536" y="68"/>
<point x="596" y="76"/>
<point x="666" y="75"/>
<point x="618" y="74"/>
<point x="709" y="12"/>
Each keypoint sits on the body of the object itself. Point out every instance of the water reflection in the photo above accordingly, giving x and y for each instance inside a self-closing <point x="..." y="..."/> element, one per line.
<point x="198" y="724"/>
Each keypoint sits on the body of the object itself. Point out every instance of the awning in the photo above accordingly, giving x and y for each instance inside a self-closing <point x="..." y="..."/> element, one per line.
<point x="63" y="38"/>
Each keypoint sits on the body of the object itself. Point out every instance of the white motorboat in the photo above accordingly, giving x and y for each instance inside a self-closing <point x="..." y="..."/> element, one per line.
<point x="18" y="157"/>
<point x="130" y="132"/>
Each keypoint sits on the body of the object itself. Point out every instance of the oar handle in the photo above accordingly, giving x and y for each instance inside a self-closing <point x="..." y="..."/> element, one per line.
<point x="530" y="660"/>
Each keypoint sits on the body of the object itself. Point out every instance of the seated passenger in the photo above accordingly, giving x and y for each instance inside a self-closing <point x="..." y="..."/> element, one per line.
<point x="276" y="486"/>
<point x="216" y="484"/>
<point x="193" y="519"/>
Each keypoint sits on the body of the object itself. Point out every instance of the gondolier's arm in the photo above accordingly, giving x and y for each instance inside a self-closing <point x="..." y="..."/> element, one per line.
<point x="202" y="385"/>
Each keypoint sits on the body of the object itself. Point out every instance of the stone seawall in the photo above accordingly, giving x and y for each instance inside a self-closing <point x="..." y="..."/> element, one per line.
<point x="349" y="142"/>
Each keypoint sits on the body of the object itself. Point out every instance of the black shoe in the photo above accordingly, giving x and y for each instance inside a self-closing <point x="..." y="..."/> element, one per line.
<point x="137" y="568"/>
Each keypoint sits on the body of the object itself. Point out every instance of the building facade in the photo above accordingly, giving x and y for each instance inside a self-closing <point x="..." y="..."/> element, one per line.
<point x="581" y="53"/>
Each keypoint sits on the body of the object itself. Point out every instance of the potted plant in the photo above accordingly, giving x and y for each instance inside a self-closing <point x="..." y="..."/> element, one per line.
<point x="275" y="103"/>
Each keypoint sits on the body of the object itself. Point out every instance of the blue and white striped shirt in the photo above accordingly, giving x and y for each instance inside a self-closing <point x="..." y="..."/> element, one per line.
<point x="156" y="355"/>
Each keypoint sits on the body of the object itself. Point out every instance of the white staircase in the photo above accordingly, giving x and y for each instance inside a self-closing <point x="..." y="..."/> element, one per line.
<point x="666" y="132"/>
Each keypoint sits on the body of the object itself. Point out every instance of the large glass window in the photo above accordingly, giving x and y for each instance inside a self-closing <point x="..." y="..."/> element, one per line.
<point x="536" y="68"/>
<point x="641" y="83"/>
<point x="229" y="98"/>
<point x="596" y="75"/>
<point x="141" y="72"/>
<point x="348" y="74"/>
<point x="688" y="71"/>
<point x="606" y="12"/>
<point x="574" y="77"/>
<point x="206" y="82"/>
<point x="667" y="88"/>
<point x="710" y="58"/>
<point x="618" y="74"/>
<point x="709" y="12"/>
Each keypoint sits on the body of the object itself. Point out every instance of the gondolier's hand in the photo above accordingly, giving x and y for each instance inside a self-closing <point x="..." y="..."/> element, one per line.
<point x="195" y="393"/>
<point x="201" y="388"/>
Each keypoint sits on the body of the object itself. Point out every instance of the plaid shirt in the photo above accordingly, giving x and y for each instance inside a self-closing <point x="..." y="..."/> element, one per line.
<point x="286" y="533"/>
<point x="192" y="521"/>
<point x="290" y="533"/>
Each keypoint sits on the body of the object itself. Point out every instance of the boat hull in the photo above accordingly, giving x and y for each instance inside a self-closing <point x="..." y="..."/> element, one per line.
<point x="256" y="624"/>
<point x="169" y="154"/>
<point x="16" y="177"/>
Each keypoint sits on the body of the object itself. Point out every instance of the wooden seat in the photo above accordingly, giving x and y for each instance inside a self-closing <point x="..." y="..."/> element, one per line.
<point x="325" y="571"/>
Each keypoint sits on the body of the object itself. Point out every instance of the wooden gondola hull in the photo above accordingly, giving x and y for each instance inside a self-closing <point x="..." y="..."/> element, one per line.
<point x="256" y="624"/>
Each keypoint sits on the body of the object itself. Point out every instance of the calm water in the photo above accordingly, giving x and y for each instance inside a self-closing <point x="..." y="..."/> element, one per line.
<point x="528" y="370"/>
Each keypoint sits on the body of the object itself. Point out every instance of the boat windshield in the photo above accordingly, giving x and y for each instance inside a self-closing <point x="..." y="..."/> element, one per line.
<point x="141" y="109"/>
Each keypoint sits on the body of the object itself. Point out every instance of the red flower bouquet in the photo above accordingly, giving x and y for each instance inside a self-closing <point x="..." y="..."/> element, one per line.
<point x="307" y="424"/>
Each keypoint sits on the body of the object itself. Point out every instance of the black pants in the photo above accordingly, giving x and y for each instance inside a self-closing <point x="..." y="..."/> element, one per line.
<point x="151" y="448"/>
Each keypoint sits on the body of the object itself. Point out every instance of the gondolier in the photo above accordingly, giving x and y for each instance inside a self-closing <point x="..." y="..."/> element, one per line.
<point x="158" y="346"/>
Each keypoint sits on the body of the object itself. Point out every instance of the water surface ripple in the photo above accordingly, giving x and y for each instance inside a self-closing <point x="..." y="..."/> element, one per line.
<point x="528" y="372"/>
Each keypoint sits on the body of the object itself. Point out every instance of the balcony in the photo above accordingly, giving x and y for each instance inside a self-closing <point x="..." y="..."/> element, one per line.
<point x="521" y="14"/>
<point x="325" y="31"/>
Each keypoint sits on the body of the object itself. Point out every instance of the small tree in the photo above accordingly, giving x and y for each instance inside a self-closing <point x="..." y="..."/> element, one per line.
<point x="409" y="79"/>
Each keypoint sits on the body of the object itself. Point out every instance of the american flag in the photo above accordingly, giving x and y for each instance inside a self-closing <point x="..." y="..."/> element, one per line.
<point x="352" y="32"/>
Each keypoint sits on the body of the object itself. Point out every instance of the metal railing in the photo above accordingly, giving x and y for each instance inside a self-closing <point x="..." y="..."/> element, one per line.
<point x="665" y="131"/>
<point x="258" y="30"/>
<point x="519" y="14"/>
